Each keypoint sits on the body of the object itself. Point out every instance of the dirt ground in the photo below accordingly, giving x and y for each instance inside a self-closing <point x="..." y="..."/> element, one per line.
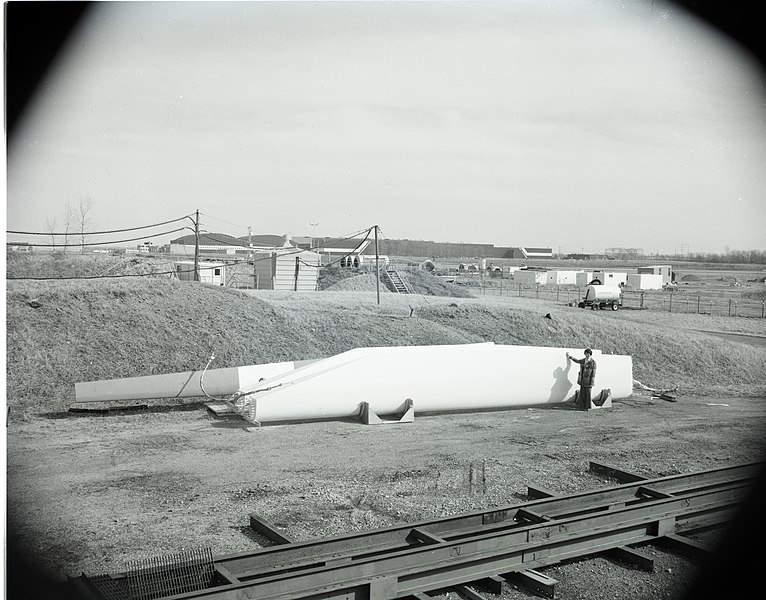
<point x="87" y="493"/>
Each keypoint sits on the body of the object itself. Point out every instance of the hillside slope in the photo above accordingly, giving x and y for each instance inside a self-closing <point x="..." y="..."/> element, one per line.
<point x="59" y="333"/>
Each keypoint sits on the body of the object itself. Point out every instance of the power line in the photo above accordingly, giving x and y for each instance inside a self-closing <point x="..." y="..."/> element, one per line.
<point x="143" y="237"/>
<point x="75" y="233"/>
<point x="218" y="263"/>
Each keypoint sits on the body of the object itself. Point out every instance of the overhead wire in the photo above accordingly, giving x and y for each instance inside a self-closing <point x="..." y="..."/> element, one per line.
<point x="75" y="233"/>
<point x="107" y="243"/>
<point x="296" y="250"/>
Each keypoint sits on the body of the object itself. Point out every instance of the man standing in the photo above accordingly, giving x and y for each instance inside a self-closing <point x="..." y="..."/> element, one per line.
<point x="586" y="378"/>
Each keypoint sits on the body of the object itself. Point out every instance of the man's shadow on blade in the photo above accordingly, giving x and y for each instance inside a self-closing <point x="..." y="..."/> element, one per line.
<point x="561" y="389"/>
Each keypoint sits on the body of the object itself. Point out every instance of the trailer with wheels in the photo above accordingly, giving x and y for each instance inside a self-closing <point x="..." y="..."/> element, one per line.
<point x="602" y="296"/>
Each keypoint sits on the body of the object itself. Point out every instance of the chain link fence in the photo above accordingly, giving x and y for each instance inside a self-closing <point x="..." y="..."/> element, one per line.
<point x="664" y="300"/>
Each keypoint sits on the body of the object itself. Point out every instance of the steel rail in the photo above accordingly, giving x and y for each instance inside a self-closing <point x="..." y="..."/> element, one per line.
<point x="298" y="554"/>
<point x="444" y="563"/>
<point x="417" y="557"/>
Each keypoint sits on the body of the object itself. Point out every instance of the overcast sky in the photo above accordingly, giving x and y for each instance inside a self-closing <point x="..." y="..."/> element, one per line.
<point x="576" y="125"/>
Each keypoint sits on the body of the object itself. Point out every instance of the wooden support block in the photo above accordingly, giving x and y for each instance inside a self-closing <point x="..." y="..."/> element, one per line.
<point x="679" y="542"/>
<point x="665" y="527"/>
<point x="383" y="588"/>
<point x="535" y="493"/>
<point x="267" y="529"/>
<point x="615" y="473"/>
<point x="492" y="584"/>
<point x="631" y="556"/>
<point x="220" y="408"/>
<point x="534" y="581"/>
<point x="465" y="592"/>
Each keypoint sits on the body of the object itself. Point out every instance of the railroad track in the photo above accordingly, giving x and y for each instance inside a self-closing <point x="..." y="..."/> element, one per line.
<point x="479" y="548"/>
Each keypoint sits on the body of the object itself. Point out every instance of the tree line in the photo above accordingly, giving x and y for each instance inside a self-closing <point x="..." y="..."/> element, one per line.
<point x="752" y="257"/>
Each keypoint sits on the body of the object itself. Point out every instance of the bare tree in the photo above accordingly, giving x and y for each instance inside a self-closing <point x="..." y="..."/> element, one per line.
<point x="83" y="219"/>
<point x="50" y="226"/>
<point x="68" y="223"/>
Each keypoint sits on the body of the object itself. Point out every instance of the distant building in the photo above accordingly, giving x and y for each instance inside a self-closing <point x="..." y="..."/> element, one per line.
<point x="18" y="247"/>
<point x="562" y="278"/>
<point x="345" y="252"/>
<point x="267" y="241"/>
<point x="665" y="270"/>
<point x="644" y="281"/>
<point x="147" y="247"/>
<point x="213" y="273"/>
<point x="624" y="253"/>
<point x="286" y="268"/>
<point x="209" y="243"/>
<point x="605" y="277"/>
<point x="530" y="252"/>
<point x="530" y="277"/>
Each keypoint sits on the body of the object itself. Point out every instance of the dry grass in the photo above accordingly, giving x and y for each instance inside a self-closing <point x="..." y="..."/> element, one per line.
<point x="90" y="330"/>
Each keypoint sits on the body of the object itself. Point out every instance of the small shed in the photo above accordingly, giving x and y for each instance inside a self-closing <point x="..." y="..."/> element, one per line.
<point x="286" y="269"/>
<point x="665" y="271"/>
<point x="610" y="277"/>
<point x="213" y="273"/>
<point x="583" y="278"/>
<point x="562" y="278"/>
<point x="644" y="281"/>
<point x="530" y="277"/>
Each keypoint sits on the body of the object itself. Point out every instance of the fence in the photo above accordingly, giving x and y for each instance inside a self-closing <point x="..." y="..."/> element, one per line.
<point x="664" y="300"/>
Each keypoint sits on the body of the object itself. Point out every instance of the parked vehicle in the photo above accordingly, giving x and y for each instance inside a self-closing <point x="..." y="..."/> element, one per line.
<point x="601" y="296"/>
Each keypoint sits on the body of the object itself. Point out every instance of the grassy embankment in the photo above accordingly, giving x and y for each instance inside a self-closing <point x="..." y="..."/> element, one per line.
<point x="90" y="330"/>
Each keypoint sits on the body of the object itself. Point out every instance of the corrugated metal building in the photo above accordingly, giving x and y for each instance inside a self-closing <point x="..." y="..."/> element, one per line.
<point x="286" y="269"/>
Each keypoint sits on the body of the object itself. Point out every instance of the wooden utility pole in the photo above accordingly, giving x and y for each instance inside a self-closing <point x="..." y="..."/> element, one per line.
<point x="377" y="268"/>
<point x="196" y="247"/>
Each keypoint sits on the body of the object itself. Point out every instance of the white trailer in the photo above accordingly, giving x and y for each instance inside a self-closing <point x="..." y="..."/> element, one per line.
<point x="562" y="277"/>
<point x="602" y="296"/>
<point x="644" y="281"/>
<point x="213" y="273"/>
<point x="529" y="277"/>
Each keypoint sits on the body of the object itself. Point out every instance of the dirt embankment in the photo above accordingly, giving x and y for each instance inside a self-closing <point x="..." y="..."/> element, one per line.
<point x="59" y="333"/>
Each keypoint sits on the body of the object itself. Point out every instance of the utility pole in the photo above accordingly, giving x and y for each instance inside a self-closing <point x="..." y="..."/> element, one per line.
<point x="377" y="268"/>
<point x="196" y="246"/>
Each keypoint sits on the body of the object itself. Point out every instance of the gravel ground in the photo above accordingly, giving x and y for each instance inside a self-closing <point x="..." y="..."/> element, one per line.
<point x="90" y="493"/>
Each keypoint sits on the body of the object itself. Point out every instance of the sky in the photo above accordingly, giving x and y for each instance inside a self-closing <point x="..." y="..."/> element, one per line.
<point x="571" y="124"/>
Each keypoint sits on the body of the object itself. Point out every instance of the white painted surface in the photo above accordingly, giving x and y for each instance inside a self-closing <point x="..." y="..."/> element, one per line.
<point x="216" y="382"/>
<point x="610" y="277"/>
<point x="602" y="293"/>
<point x="562" y="278"/>
<point x="431" y="376"/>
<point x="643" y="281"/>
<point x="527" y="277"/>
<point x="172" y="385"/>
